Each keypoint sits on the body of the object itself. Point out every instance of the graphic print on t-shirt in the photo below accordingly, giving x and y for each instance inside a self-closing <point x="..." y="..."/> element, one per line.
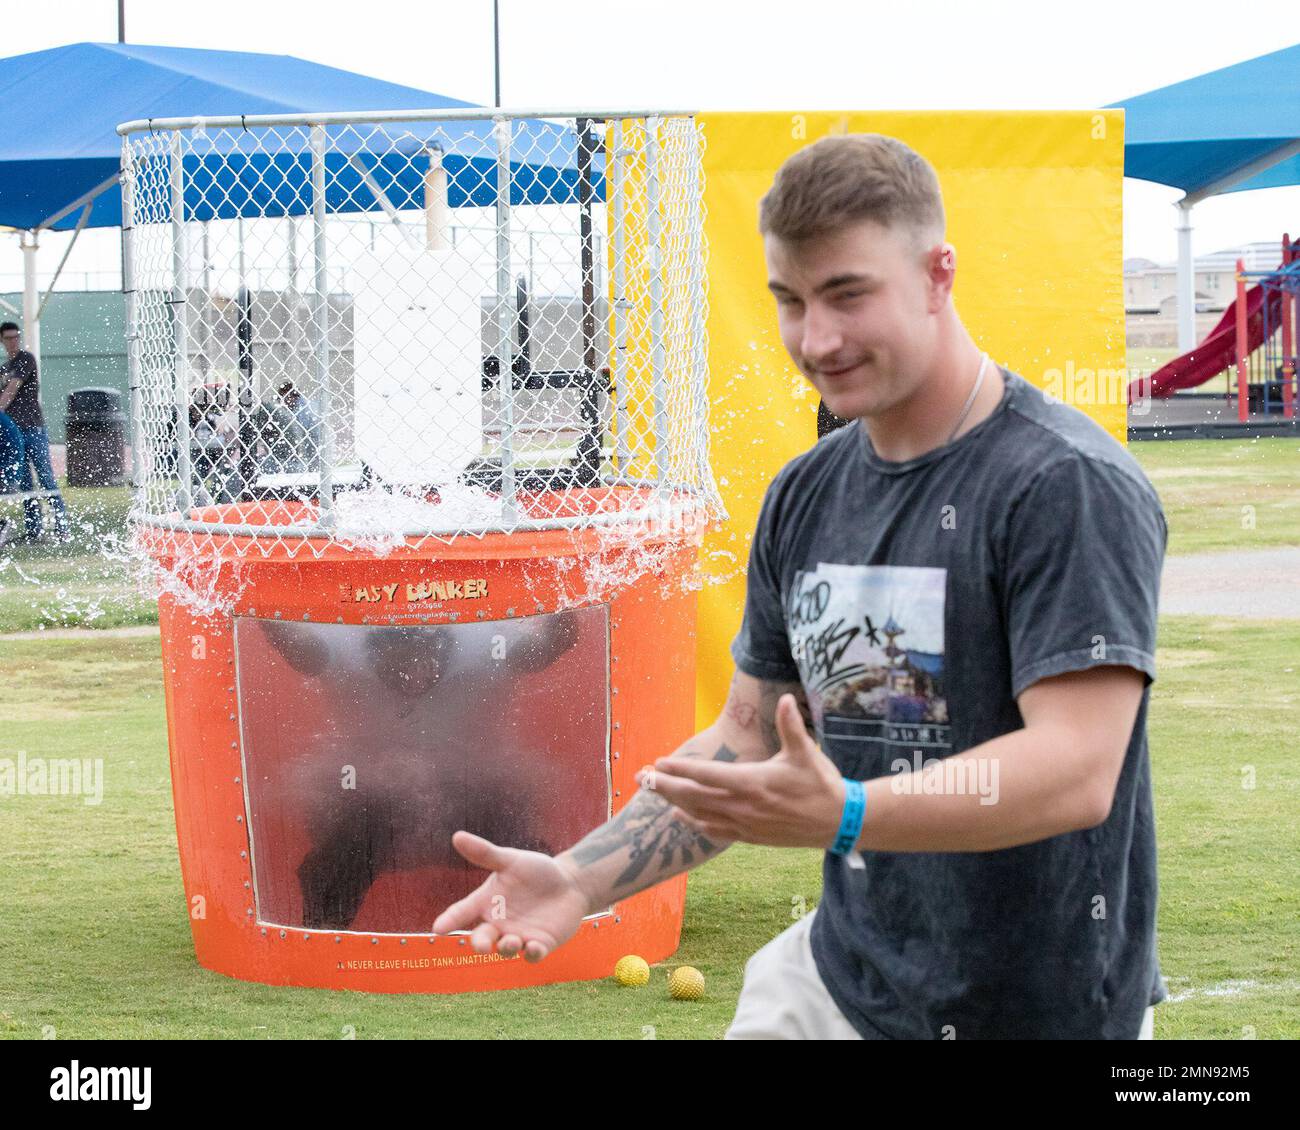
<point x="869" y="644"/>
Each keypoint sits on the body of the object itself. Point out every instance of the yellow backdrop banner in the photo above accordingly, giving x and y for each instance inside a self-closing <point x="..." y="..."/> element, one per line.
<point x="1033" y="202"/>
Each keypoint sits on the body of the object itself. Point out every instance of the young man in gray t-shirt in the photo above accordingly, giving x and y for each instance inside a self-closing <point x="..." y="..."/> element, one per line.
<point x="957" y="593"/>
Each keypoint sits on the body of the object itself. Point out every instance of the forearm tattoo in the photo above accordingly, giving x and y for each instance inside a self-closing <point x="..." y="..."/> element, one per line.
<point x="651" y="835"/>
<point x="747" y="715"/>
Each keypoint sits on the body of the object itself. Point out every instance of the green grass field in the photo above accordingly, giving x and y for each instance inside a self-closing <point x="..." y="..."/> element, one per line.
<point x="1226" y="495"/>
<point x="94" y="927"/>
<point x="97" y="941"/>
<point x="84" y="583"/>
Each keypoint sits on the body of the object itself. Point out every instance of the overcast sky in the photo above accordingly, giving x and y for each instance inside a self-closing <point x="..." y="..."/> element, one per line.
<point x="751" y="54"/>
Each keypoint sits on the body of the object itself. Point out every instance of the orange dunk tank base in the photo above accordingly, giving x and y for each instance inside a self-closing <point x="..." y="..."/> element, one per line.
<point x="263" y="701"/>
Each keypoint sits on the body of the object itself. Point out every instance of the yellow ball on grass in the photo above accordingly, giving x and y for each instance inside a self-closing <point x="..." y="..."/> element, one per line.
<point x="686" y="984"/>
<point x="631" y="970"/>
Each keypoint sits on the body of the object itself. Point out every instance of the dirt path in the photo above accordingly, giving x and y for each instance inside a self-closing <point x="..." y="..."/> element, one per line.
<point x="83" y="633"/>
<point x="1261" y="584"/>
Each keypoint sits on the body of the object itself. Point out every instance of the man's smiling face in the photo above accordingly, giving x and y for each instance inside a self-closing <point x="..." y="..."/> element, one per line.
<point x="856" y="309"/>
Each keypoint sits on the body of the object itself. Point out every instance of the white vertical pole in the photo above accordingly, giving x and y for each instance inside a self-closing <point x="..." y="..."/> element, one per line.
<point x="293" y="329"/>
<point x="698" y="298"/>
<point x="206" y="347"/>
<point x="614" y="191"/>
<point x="181" y="321"/>
<point x="654" y="226"/>
<point x="291" y="254"/>
<point x="435" y="201"/>
<point x="320" y="329"/>
<point x="1186" y="290"/>
<point x="28" y="241"/>
<point x="132" y="328"/>
<point x="505" y="325"/>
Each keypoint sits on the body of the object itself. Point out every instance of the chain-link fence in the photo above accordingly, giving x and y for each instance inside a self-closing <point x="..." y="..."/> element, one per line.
<point x="409" y="325"/>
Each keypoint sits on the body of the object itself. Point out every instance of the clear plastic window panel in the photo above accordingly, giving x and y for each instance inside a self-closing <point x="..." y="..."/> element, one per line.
<point x="365" y="748"/>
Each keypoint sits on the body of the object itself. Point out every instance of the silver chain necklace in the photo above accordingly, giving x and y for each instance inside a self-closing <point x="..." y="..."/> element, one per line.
<point x="974" y="392"/>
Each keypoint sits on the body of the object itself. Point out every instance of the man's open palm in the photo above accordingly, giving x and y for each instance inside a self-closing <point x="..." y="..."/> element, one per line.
<point x="529" y="904"/>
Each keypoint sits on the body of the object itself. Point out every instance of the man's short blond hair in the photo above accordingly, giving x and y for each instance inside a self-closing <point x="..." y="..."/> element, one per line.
<point x="847" y="178"/>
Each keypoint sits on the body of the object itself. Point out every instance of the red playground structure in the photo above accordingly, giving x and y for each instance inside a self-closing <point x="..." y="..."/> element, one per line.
<point x="1256" y="335"/>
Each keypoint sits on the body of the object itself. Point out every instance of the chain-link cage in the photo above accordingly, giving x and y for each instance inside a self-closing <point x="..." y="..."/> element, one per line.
<point x="390" y="328"/>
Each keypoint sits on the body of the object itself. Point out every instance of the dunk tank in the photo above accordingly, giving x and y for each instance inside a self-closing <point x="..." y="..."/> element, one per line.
<point x="420" y="450"/>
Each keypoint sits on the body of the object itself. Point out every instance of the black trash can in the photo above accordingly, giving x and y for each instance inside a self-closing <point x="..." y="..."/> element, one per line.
<point x="96" y="434"/>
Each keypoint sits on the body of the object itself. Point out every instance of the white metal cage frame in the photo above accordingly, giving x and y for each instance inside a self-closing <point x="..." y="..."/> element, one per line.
<point x="415" y="325"/>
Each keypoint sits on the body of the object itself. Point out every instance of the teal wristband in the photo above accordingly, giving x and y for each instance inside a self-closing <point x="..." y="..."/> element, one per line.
<point x="855" y="811"/>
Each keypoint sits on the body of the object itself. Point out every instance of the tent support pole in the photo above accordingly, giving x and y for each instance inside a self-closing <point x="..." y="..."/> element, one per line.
<point x="29" y="243"/>
<point x="1186" y="288"/>
<point x="81" y="224"/>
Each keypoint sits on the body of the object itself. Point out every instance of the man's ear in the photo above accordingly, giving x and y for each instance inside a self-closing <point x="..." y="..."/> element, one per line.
<point x="942" y="268"/>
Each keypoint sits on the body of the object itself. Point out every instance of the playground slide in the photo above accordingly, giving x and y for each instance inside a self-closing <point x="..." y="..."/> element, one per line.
<point x="1219" y="349"/>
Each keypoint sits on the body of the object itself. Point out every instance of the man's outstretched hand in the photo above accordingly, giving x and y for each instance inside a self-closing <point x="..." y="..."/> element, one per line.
<point x="530" y="904"/>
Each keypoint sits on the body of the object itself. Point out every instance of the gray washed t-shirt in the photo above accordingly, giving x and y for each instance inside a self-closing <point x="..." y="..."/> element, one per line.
<point x="915" y="600"/>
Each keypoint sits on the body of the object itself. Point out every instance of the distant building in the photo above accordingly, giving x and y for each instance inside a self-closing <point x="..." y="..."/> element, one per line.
<point x="1150" y="292"/>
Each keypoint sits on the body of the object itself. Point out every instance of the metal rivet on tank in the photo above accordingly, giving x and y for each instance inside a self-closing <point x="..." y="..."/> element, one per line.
<point x="340" y="619"/>
<point x="337" y="938"/>
<point x="462" y="941"/>
<point x="282" y="933"/>
<point x="247" y="884"/>
<point x="232" y="717"/>
<point x="510" y="611"/>
<point x="374" y="941"/>
<point x="249" y="912"/>
<point x="306" y="615"/>
<point x="277" y="615"/>
<point x="618" y="918"/>
<point x="481" y="614"/>
<point x="239" y="819"/>
<point x="403" y="942"/>
<point x="540" y="606"/>
<point x="234" y="745"/>
<point x="618" y="725"/>
<point x="243" y="855"/>
<point x="236" y="780"/>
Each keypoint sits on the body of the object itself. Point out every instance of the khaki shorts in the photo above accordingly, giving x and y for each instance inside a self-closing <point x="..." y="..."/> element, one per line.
<point x="783" y="997"/>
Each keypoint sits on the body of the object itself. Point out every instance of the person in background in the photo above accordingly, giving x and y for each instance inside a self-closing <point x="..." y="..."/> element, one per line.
<point x="307" y="420"/>
<point x="20" y="397"/>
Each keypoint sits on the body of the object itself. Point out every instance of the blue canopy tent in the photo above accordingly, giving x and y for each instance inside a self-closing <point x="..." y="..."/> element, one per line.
<point x="1229" y="130"/>
<point x="61" y="153"/>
